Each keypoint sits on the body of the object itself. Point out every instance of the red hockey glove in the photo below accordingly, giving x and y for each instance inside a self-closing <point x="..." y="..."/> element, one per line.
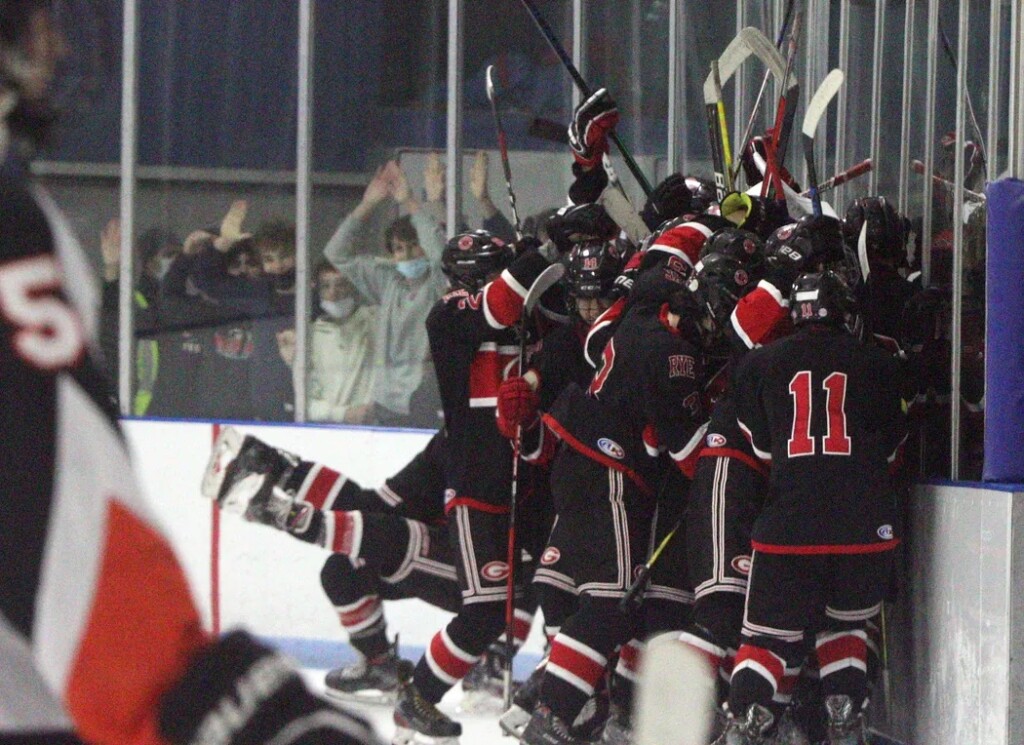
<point x="517" y="406"/>
<point x="592" y="122"/>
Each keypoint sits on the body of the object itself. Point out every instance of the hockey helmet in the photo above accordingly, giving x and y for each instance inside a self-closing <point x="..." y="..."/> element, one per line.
<point x="702" y="193"/>
<point x="670" y="199"/>
<point x="470" y="260"/>
<point x="886" y="234"/>
<point x="579" y="222"/>
<point x="823" y="297"/>
<point x="720" y="281"/>
<point x="741" y="245"/>
<point x="593" y="266"/>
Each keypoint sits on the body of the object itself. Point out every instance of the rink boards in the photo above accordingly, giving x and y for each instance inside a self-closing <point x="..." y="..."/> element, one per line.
<point x="955" y="634"/>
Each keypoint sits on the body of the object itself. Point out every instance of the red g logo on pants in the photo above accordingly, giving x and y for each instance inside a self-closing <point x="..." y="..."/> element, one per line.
<point x="550" y="556"/>
<point x="494" y="571"/>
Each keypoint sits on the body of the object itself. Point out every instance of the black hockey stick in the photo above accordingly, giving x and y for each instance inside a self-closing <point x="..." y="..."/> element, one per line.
<point x="586" y="90"/>
<point x="542" y="284"/>
<point x="787" y="19"/>
<point x="643" y="573"/>
<point x="970" y="105"/>
<point x="815" y="112"/>
<point x="503" y="149"/>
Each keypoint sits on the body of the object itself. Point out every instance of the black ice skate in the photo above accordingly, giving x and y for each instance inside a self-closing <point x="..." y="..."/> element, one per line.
<point x="373" y="680"/>
<point x="524" y="701"/>
<point x="484" y="684"/>
<point x="618" y="729"/>
<point x="547" y="729"/>
<point x="242" y="473"/>
<point x="750" y="730"/>
<point x="845" y="722"/>
<point x="419" y="721"/>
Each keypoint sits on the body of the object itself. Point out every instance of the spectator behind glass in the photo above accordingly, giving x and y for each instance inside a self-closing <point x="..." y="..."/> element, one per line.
<point x="155" y="249"/>
<point x="206" y="370"/>
<point x="405" y="286"/>
<point x="494" y="221"/>
<point x="341" y="359"/>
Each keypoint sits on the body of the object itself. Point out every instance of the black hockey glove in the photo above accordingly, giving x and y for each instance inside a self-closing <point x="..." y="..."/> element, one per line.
<point x="580" y="221"/>
<point x="239" y="692"/>
<point x="592" y="121"/>
<point x="670" y="199"/>
<point x="524" y="244"/>
<point x="623" y="284"/>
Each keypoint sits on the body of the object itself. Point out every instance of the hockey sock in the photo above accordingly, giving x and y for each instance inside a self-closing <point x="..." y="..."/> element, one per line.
<point x="842" y="663"/>
<point x="571" y="676"/>
<point x="365" y="624"/>
<point x="755" y="679"/>
<point x="322" y="487"/>
<point x="624" y="679"/>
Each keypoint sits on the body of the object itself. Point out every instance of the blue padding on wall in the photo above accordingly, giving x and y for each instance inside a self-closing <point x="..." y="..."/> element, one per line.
<point x="1004" y="333"/>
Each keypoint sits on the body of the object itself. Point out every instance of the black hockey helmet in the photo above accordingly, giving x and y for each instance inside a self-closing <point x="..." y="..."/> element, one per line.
<point x="823" y="297"/>
<point x="741" y="245"/>
<point x="886" y="234"/>
<point x="670" y="199"/>
<point x="471" y="259"/>
<point x="702" y="193"/>
<point x="720" y="281"/>
<point x="821" y="236"/>
<point x="580" y="222"/>
<point x="593" y="266"/>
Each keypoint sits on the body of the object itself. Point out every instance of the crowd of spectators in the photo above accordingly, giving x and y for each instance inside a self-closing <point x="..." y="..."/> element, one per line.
<point x="214" y="313"/>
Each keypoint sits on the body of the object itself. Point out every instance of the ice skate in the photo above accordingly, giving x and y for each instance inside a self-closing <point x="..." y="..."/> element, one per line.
<point x="484" y="685"/>
<point x="373" y="680"/>
<point x="750" y="730"/>
<point x="419" y="721"/>
<point x="545" y="728"/>
<point x="845" y="723"/>
<point x="242" y="473"/>
<point x="618" y="729"/>
<point x="513" y="722"/>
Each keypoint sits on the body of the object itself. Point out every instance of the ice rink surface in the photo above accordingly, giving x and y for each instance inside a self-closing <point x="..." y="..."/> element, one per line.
<point x="479" y="725"/>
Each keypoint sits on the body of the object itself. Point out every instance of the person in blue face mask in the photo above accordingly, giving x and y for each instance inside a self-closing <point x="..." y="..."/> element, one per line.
<point x="404" y="284"/>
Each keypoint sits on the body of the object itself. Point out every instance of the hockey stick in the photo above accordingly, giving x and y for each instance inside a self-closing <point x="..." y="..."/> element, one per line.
<point x="787" y="18"/>
<point x="841" y="178"/>
<point x="585" y="89"/>
<point x="785" y="115"/>
<point x="503" y="149"/>
<point x="644" y="571"/>
<point x="749" y="41"/>
<point x="977" y="196"/>
<point x="544" y="281"/>
<point x="970" y="105"/>
<point x="815" y="111"/>
<point x="675" y="695"/>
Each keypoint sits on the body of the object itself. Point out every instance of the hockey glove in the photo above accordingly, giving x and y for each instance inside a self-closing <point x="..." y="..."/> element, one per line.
<point x="623" y="284"/>
<point x="669" y="200"/>
<point x="580" y="221"/>
<point x="517" y="406"/>
<point x="239" y="692"/>
<point x="592" y="121"/>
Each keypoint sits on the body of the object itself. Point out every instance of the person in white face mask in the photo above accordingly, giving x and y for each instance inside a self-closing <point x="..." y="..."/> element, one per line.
<point x="341" y="351"/>
<point x="405" y="284"/>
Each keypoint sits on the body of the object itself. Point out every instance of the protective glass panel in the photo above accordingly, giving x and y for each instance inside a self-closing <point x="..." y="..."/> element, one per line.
<point x="380" y="92"/>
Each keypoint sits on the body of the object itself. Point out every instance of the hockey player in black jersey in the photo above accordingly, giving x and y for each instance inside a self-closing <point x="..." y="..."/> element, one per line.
<point x="644" y="399"/>
<point x="823" y="410"/>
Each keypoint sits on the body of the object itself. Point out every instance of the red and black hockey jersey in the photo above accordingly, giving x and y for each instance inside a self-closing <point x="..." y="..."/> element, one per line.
<point x="645" y="397"/>
<point x="474" y="348"/>
<point x="824" y="410"/>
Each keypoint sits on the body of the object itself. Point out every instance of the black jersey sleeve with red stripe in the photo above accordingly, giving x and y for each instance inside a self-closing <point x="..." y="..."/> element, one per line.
<point x="503" y="298"/>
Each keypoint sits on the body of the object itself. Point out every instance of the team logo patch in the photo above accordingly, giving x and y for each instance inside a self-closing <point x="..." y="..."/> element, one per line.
<point x="749" y="247"/>
<point x="741" y="564"/>
<point x="716" y="440"/>
<point x="465" y="243"/>
<point x="550" y="556"/>
<point x="449" y="495"/>
<point x="611" y="448"/>
<point x="785" y="231"/>
<point x="741" y="277"/>
<point x="681" y="366"/>
<point x="885" y="532"/>
<point x="494" y="571"/>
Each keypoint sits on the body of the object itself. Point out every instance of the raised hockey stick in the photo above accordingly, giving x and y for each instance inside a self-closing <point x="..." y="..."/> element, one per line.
<point x="785" y="115"/>
<point x="749" y="41"/>
<point x="849" y="174"/>
<point x="815" y="111"/>
<point x="585" y="89"/>
<point x="675" y="694"/>
<point x="503" y="149"/>
<point x="787" y="18"/>
<point x="542" y="284"/>
<point x="970" y="105"/>
<point x="945" y="183"/>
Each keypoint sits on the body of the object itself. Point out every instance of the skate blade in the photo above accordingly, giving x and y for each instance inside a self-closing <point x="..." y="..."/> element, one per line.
<point x="481" y="702"/>
<point x="513" y="722"/>
<point x="228" y="443"/>
<point x="406" y="736"/>
<point x="371" y="697"/>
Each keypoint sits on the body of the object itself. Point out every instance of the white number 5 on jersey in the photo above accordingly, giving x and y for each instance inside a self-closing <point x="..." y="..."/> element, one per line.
<point x="48" y="333"/>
